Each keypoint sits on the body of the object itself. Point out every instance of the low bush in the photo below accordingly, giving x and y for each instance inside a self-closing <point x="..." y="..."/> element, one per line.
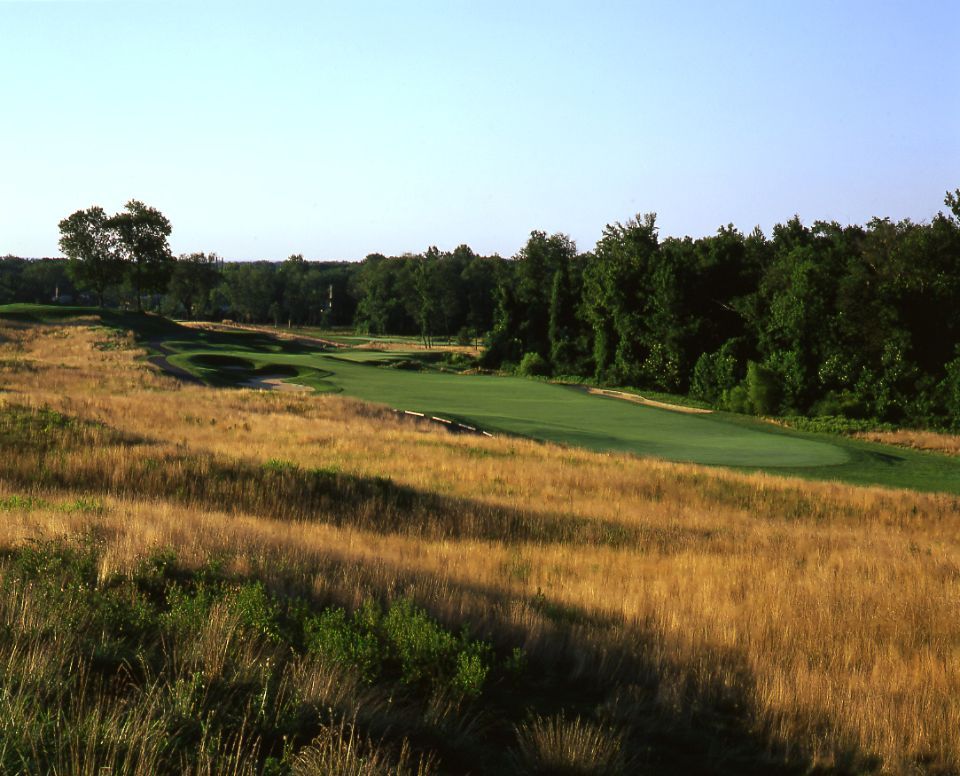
<point x="404" y="642"/>
<point x="835" y="424"/>
<point x="408" y="364"/>
<point x="170" y="670"/>
<point x="533" y="365"/>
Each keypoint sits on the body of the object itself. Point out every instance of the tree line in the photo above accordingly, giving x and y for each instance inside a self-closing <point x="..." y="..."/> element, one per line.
<point x="854" y="321"/>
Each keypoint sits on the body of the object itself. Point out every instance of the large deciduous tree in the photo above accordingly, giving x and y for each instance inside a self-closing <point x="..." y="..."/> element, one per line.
<point x="141" y="234"/>
<point x="617" y="292"/>
<point x="193" y="279"/>
<point x="89" y="243"/>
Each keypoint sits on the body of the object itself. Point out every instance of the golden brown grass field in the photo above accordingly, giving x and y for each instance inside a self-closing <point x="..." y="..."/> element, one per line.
<point x="916" y="439"/>
<point x="673" y="618"/>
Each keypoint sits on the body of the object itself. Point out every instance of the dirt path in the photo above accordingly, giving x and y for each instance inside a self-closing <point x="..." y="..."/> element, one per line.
<point x="638" y="399"/>
<point x="171" y="369"/>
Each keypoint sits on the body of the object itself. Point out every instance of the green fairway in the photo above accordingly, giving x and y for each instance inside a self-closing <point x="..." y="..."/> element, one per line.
<point x="535" y="409"/>
<point x="563" y="414"/>
<point x="506" y="404"/>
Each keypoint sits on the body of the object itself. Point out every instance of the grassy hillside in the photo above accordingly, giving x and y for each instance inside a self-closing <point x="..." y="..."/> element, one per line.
<point x="211" y="580"/>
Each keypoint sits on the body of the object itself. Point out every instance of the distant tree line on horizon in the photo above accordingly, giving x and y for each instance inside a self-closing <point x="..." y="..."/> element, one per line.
<point x="853" y="321"/>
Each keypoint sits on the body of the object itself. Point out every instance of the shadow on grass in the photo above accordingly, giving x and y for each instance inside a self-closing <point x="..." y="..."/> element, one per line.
<point x="677" y="717"/>
<point x="149" y="327"/>
<point x="50" y="450"/>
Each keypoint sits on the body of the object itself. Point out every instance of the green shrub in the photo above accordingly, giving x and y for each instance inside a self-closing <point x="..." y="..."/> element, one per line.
<point x="404" y="641"/>
<point x="458" y="360"/>
<point x="713" y="375"/>
<point x="21" y="503"/>
<point x="533" y="365"/>
<point x="92" y="505"/>
<point x="407" y="364"/>
<point x="464" y="336"/>
<point x="736" y="400"/>
<point x="950" y="391"/>
<point x="840" y="403"/>
<point x="423" y="648"/>
<point x="347" y="641"/>
<point x="280" y="465"/>
<point x="472" y="669"/>
<point x="256" y="609"/>
<point x="764" y="391"/>
<point x="835" y="424"/>
<point x="187" y="611"/>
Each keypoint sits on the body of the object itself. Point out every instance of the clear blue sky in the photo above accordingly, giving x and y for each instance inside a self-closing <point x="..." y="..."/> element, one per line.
<point x="339" y="129"/>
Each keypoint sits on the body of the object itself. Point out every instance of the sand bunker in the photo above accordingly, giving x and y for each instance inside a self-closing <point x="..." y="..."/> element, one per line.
<point x="274" y="383"/>
<point x="638" y="399"/>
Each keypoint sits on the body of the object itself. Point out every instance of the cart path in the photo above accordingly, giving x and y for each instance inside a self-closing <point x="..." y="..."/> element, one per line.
<point x="164" y="364"/>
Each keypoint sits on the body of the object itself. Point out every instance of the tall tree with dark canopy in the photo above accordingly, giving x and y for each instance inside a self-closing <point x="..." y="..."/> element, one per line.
<point x="426" y="305"/>
<point x="537" y="263"/>
<point x="194" y="276"/>
<point x="89" y="243"/>
<point x="141" y="233"/>
<point x="563" y="323"/>
<point x="617" y="292"/>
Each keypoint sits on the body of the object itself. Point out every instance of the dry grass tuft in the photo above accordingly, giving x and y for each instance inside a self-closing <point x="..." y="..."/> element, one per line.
<point x="340" y="751"/>
<point x="556" y="745"/>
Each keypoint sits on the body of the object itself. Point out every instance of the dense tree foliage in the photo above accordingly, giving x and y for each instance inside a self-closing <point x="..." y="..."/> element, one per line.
<point x="129" y="247"/>
<point x="40" y="281"/>
<point x="859" y="321"/>
<point x="90" y="245"/>
<point x="192" y="280"/>
<point x="434" y="293"/>
<point x="823" y="319"/>
<point x="140" y="242"/>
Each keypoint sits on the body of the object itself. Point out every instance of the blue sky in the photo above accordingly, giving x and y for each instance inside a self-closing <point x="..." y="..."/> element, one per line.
<point x="334" y="130"/>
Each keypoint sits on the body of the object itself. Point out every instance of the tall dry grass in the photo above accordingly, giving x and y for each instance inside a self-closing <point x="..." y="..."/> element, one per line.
<point x="823" y="617"/>
<point x="917" y="439"/>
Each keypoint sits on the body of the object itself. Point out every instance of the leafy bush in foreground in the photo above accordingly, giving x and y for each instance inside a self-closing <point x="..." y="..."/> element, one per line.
<point x="174" y="671"/>
<point x="404" y="641"/>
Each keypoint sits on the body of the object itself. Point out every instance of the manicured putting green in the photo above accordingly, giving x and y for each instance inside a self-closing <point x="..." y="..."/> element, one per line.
<point x="551" y="413"/>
